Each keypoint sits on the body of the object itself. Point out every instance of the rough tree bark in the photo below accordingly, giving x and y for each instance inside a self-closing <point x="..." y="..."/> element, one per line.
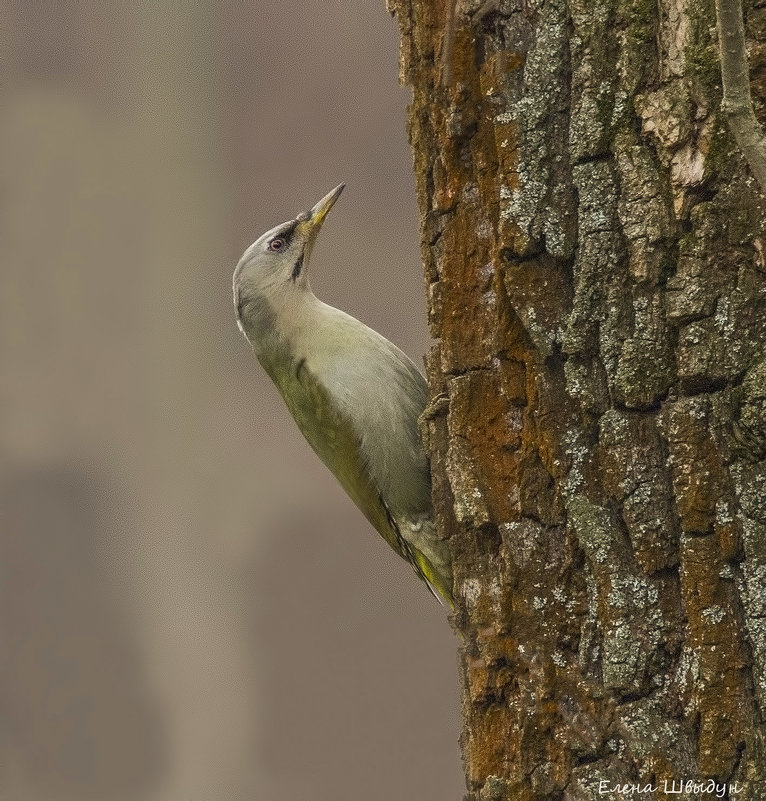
<point x="595" y="253"/>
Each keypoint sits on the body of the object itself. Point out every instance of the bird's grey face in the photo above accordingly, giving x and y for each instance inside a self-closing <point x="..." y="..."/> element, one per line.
<point x="275" y="265"/>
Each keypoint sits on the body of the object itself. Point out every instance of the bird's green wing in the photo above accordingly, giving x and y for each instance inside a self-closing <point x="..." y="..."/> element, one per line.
<point x="334" y="440"/>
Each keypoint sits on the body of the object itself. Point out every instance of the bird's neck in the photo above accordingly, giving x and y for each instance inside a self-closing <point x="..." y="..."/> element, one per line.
<point x="274" y="325"/>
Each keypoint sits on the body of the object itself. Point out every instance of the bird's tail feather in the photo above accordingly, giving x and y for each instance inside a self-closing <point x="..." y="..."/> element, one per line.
<point x="440" y="587"/>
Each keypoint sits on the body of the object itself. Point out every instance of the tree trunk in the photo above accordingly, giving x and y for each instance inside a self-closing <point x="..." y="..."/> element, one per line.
<point x="594" y="251"/>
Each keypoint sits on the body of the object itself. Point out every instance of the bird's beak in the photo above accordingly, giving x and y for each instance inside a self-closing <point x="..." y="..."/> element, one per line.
<point x="311" y="222"/>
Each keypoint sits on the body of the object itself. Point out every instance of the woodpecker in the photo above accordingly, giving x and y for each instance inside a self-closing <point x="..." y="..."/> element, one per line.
<point x="354" y="395"/>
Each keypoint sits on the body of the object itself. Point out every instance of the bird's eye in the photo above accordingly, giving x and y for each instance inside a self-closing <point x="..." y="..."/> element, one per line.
<point x="277" y="244"/>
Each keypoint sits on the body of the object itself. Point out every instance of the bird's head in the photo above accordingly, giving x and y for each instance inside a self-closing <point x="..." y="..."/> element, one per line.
<point x="275" y="266"/>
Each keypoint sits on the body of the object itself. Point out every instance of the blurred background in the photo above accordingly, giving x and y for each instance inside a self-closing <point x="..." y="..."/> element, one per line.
<point x="191" y="608"/>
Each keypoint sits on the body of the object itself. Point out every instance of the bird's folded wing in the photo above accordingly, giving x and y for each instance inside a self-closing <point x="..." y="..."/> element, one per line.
<point x="337" y="443"/>
<point x="334" y="439"/>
